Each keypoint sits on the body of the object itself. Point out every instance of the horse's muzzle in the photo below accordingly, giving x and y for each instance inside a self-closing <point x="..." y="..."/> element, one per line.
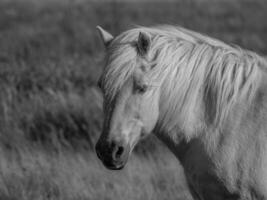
<point x="114" y="155"/>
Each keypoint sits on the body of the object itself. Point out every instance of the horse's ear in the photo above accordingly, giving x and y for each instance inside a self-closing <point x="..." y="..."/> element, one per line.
<point x="105" y="36"/>
<point x="143" y="43"/>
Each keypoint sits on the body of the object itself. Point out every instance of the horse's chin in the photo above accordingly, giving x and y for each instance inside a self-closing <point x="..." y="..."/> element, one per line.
<point x="114" y="166"/>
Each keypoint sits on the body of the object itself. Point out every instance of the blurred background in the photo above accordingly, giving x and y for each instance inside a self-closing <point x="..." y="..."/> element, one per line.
<point x="50" y="108"/>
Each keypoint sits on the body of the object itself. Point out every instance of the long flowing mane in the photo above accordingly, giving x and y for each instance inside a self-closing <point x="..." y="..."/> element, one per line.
<point x="187" y="66"/>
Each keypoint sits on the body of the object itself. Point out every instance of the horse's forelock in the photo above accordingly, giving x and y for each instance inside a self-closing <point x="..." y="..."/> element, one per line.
<point x="120" y="63"/>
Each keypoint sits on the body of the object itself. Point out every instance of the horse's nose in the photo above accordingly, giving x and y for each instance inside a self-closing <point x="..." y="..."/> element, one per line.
<point x="112" y="154"/>
<point x="109" y="150"/>
<point x="117" y="152"/>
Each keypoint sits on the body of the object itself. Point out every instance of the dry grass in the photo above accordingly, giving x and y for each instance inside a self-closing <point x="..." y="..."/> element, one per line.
<point x="68" y="175"/>
<point x="50" y="110"/>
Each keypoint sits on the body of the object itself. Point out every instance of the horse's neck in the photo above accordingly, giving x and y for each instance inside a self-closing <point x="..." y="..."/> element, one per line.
<point x="179" y="146"/>
<point x="208" y="140"/>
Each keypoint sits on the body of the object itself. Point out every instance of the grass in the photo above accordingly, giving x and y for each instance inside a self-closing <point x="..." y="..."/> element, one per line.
<point x="68" y="175"/>
<point x="50" y="109"/>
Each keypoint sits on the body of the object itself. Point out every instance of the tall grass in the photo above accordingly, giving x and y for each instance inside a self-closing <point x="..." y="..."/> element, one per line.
<point x="50" y="109"/>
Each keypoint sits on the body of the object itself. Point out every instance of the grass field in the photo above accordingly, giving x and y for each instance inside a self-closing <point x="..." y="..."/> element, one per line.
<point x="50" y="109"/>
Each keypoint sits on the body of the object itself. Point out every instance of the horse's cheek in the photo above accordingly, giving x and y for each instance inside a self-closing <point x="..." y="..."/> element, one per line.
<point x="149" y="115"/>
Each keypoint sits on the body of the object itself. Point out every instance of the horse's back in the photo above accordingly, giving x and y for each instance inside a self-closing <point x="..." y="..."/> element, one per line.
<point x="260" y="181"/>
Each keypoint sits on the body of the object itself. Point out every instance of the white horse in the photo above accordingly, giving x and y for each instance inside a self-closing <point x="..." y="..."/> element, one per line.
<point x="206" y="100"/>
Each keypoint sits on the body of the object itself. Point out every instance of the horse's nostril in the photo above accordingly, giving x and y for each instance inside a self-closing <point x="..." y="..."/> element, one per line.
<point x="118" y="152"/>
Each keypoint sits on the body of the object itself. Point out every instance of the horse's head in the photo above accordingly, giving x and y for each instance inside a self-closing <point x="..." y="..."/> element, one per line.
<point x="130" y="98"/>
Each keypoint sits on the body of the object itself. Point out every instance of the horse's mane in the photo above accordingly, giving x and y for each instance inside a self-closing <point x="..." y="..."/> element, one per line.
<point x="187" y="64"/>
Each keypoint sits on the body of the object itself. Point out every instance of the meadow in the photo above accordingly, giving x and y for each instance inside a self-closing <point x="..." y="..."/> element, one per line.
<point x="51" y="110"/>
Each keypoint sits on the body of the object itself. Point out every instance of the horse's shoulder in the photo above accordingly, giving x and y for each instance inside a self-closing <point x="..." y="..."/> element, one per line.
<point x="202" y="176"/>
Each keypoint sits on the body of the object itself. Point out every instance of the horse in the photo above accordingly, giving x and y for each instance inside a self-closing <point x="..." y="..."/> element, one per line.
<point x="205" y="99"/>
